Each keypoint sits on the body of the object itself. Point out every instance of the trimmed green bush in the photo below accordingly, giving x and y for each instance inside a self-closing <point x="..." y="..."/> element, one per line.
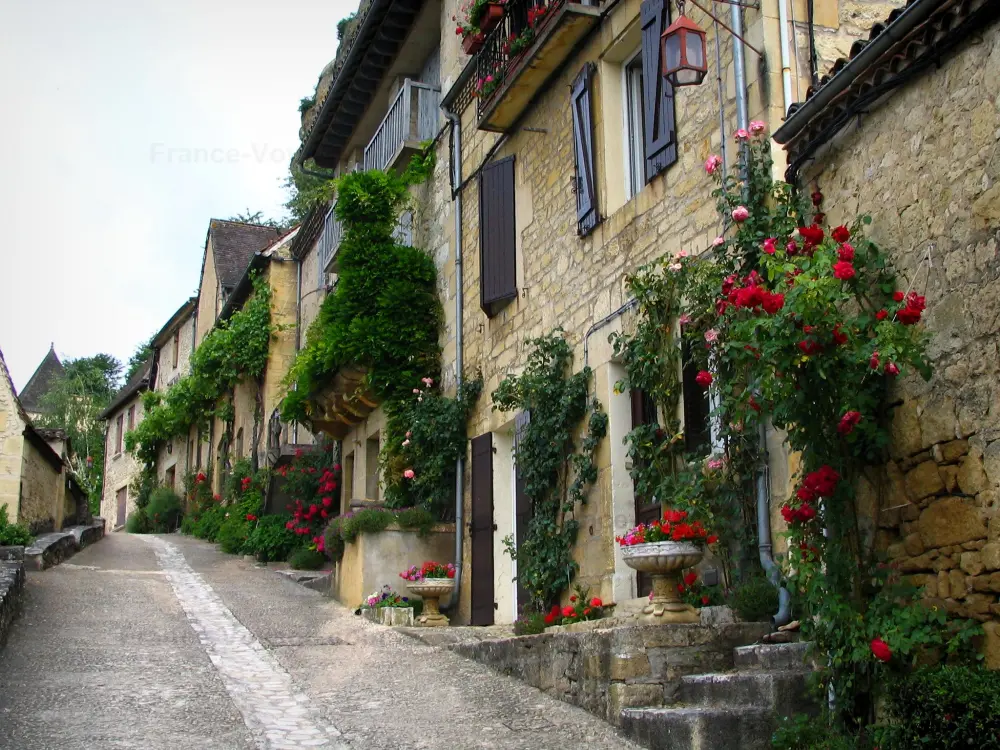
<point x="754" y="599"/>
<point x="233" y="534"/>
<point x="270" y="540"/>
<point x="209" y="522"/>
<point x="943" y="707"/>
<point x="346" y="528"/>
<point x="307" y="559"/>
<point x="164" y="510"/>
<point x="138" y="522"/>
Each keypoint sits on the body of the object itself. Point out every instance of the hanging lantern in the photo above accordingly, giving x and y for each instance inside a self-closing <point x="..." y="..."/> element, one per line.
<point x="683" y="52"/>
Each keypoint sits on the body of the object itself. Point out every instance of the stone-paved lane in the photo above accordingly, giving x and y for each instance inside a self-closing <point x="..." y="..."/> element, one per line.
<point x="166" y="643"/>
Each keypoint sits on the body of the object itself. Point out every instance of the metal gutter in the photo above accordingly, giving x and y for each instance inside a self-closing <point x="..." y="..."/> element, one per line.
<point x="914" y="14"/>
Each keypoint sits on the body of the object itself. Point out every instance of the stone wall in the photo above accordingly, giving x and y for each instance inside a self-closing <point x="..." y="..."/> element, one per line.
<point x="11" y="445"/>
<point x="120" y="469"/>
<point x="923" y="164"/>
<point x="42" y="489"/>
<point x="11" y="595"/>
<point x="606" y="670"/>
<point x="208" y="295"/>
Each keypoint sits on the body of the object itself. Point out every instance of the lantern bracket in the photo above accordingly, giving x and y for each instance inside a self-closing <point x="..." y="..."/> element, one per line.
<point x="680" y="6"/>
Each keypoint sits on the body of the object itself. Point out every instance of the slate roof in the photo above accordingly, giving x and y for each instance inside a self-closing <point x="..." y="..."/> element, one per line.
<point x="138" y="382"/>
<point x="41" y="382"/>
<point x="234" y="244"/>
<point x="943" y="25"/>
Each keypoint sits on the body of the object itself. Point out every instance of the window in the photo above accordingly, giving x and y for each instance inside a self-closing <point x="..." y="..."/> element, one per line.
<point x="120" y="429"/>
<point x="171" y="477"/>
<point x="497" y="229"/>
<point x="131" y="417"/>
<point x="177" y="347"/>
<point x="635" y="170"/>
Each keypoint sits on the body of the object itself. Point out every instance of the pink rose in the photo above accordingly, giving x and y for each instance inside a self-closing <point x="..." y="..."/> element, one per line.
<point x="718" y="241"/>
<point x="741" y="135"/>
<point x="757" y="127"/>
<point x="769" y="247"/>
<point x="740" y="214"/>
<point x="409" y="474"/>
<point x="711" y="335"/>
<point x="684" y="319"/>
<point x="712" y="163"/>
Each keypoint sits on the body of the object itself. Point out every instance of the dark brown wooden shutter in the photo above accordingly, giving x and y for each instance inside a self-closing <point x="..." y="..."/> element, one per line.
<point x="481" y="530"/>
<point x="497" y="249"/>
<point x="120" y="425"/>
<point x="522" y="504"/>
<point x="583" y="148"/>
<point x="697" y="408"/>
<point x="657" y="94"/>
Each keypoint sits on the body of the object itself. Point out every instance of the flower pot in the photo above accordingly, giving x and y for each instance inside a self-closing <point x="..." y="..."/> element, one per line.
<point x="473" y="43"/>
<point x="490" y="17"/>
<point x="430" y="590"/>
<point x="665" y="561"/>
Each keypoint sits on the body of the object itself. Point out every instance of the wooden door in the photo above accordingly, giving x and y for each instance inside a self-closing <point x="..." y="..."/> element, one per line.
<point x="122" y="505"/>
<point x="646" y="510"/>
<point x="481" y="530"/>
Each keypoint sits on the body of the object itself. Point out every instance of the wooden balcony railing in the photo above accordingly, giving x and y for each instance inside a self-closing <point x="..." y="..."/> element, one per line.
<point x="412" y="118"/>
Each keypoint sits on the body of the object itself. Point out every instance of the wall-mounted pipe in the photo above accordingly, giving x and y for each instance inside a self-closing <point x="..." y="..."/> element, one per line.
<point x="786" y="62"/>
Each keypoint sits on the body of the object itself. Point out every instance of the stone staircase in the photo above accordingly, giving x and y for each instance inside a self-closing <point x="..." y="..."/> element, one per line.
<point x="734" y="710"/>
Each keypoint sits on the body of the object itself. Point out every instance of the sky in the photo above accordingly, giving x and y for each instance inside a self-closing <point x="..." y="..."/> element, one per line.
<point x="125" y="127"/>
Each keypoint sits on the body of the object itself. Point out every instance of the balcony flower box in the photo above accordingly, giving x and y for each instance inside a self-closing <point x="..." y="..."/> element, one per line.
<point x="472" y="43"/>
<point x="490" y="17"/>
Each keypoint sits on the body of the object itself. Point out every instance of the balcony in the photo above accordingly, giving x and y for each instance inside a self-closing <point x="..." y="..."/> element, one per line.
<point x="412" y="119"/>
<point x="329" y="241"/>
<point x="532" y="40"/>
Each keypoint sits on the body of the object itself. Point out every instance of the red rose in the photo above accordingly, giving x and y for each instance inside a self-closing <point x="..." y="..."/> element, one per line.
<point x="550" y="619"/>
<point x="812" y="235"/>
<point x="586" y="611"/>
<point x="843" y="270"/>
<point x="705" y="600"/>
<point x="680" y="588"/>
<point x="596" y="602"/>
<point x="897" y="296"/>
<point x="810" y="347"/>
<point x="891" y="369"/>
<point x="841" y="234"/>
<point x="881" y="650"/>
<point x="773" y="302"/>
<point x="805" y="513"/>
<point x="674" y="516"/>
<point x="703" y="378"/>
<point x="451" y="572"/>
<point x="817" y="198"/>
<point x="788" y="513"/>
<point x="846" y="252"/>
<point x="839" y="337"/>
<point x="712" y="539"/>
<point x="848" y="422"/>
<point x="805" y="494"/>
<point x="572" y="598"/>
<point x="874" y="361"/>
<point x="822" y="482"/>
<point x="882" y="315"/>
<point x="568" y="612"/>
<point x="251" y="517"/>
<point x="690" y="578"/>
<point x="908" y="316"/>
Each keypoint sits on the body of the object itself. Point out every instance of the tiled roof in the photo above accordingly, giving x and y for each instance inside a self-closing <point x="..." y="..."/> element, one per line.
<point x="138" y="382"/>
<point x="41" y="382"/>
<point x="234" y="244"/>
<point x="911" y="39"/>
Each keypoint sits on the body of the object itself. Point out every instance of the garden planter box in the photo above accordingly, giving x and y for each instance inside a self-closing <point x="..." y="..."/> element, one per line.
<point x="373" y="560"/>
<point x="490" y="18"/>
<point x="473" y="43"/>
<point x="401" y="617"/>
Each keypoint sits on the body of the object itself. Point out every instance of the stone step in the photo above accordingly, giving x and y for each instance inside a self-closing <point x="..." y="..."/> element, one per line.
<point x="777" y="656"/>
<point x="700" y="728"/>
<point x="785" y="692"/>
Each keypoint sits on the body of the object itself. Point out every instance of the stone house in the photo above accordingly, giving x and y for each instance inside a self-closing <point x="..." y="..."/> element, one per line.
<point x="120" y="467"/>
<point x="37" y="485"/>
<point x="575" y="166"/>
<point x="906" y="128"/>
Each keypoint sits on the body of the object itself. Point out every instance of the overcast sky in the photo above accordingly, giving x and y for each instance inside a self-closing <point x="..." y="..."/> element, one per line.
<point x="125" y="127"/>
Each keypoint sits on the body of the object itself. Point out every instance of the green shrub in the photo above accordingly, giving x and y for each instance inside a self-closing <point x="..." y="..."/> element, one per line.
<point x="529" y="623"/>
<point x="188" y="524"/>
<point x="207" y="525"/>
<point x="270" y="540"/>
<point x="804" y="732"/>
<point x="346" y="528"/>
<point x="13" y="534"/>
<point x="754" y="599"/>
<point x="307" y="559"/>
<point x="233" y="534"/>
<point x="164" y="509"/>
<point x="138" y="522"/>
<point x="943" y="707"/>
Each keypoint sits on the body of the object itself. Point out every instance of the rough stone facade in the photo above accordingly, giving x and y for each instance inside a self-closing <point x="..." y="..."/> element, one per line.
<point x="120" y="467"/>
<point x="172" y="459"/>
<point x="12" y="422"/>
<point x="923" y="165"/>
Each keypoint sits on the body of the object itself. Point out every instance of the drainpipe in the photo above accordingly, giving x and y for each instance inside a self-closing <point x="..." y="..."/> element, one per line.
<point x="456" y="203"/>
<point x="786" y="64"/>
<point x="298" y="333"/>
<point x="764" y="547"/>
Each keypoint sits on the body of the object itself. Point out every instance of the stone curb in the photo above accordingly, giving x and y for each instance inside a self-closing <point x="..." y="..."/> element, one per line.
<point x="11" y="594"/>
<point x="51" y="549"/>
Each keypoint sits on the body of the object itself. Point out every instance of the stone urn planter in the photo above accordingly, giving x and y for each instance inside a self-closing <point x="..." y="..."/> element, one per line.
<point x="665" y="561"/>
<point x="431" y="590"/>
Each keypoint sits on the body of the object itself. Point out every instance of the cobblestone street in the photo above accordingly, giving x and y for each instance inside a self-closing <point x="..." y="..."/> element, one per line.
<point x="163" y="642"/>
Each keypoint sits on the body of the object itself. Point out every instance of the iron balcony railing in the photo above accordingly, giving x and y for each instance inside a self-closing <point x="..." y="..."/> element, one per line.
<point x="329" y="239"/>
<point x="411" y="119"/>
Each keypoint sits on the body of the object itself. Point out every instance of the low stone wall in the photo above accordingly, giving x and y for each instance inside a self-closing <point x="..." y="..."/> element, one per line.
<point x="12" y="553"/>
<point x="11" y="594"/>
<point x="373" y="560"/>
<point x="607" y="670"/>
<point x="51" y="549"/>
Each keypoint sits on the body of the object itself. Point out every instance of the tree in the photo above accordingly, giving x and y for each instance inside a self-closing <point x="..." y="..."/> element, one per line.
<point x="139" y="358"/>
<point x="257" y="217"/>
<point x="74" y="404"/>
